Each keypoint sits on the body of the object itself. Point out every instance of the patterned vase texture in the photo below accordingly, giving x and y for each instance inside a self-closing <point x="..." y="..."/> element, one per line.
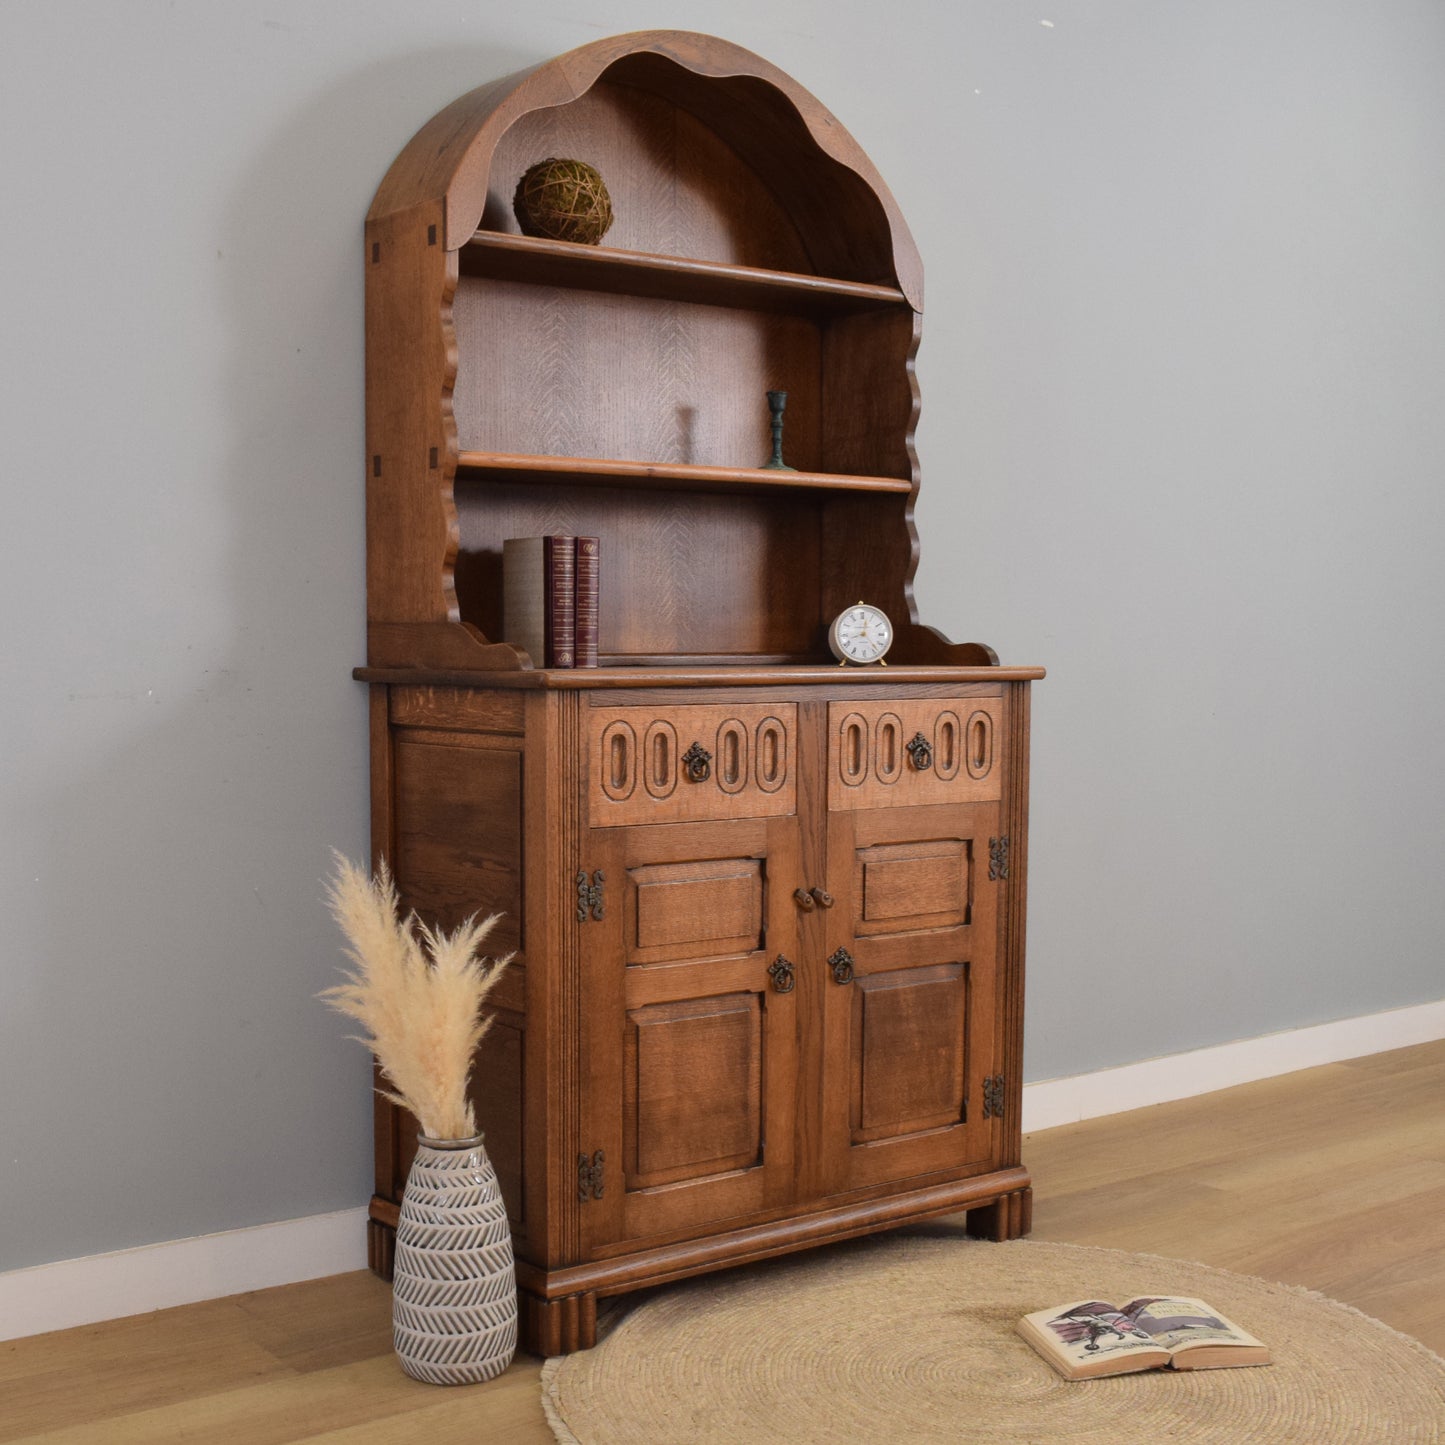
<point x="454" y="1289"/>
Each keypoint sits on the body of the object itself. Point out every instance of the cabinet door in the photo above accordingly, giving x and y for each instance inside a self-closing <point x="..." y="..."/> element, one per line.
<point x="689" y="1015"/>
<point x="910" y="987"/>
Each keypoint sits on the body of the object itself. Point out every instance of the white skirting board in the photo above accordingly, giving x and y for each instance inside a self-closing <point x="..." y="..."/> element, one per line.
<point x="179" y="1272"/>
<point x="182" y="1271"/>
<point x="1201" y="1071"/>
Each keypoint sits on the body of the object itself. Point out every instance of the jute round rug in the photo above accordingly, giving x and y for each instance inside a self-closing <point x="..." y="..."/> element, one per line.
<point x="910" y="1338"/>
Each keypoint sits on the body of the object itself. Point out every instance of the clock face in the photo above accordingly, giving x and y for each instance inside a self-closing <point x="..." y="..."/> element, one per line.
<point x="860" y="634"/>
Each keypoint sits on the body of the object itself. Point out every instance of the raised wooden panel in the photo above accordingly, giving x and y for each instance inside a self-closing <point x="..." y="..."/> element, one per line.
<point x="691" y="910"/>
<point x="691" y="763"/>
<point x="459" y="835"/>
<point x="908" y="1054"/>
<point x="949" y="752"/>
<point x="693" y="1091"/>
<point x="497" y="1096"/>
<point x="914" y="885"/>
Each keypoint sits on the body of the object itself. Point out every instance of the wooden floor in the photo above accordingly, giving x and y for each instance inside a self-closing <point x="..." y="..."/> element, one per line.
<point x="1332" y="1178"/>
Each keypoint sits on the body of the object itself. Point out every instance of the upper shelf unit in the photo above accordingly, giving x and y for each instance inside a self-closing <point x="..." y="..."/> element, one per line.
<point x="520" y="387"/>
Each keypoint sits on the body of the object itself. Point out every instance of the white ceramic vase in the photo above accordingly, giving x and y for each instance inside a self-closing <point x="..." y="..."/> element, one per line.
<point x="454" y="1288"/>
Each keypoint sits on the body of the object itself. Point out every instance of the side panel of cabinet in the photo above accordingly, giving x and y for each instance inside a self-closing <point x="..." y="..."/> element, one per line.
<point x="448" y="819"/>
<point x="911" y="988"/>
<point x="690" y="1024"/>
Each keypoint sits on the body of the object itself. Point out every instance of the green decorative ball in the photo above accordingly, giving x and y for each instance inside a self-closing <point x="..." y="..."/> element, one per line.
<point x="565" y="200"/>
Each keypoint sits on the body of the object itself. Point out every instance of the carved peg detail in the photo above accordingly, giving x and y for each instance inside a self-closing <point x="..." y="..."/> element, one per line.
<point x="804" y="899"/>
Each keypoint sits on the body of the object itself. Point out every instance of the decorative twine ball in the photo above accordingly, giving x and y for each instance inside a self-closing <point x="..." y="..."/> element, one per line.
<point x="565" y="200"/>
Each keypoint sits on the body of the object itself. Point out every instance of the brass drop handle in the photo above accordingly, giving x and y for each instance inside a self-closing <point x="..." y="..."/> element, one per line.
<point x="842" y="965"/>
<point x="825" y="899"/>
<point x="921" y="751"/>
<point x="804" y="900"/>
<point x="781" y="973"/>
<point x="697" y="762"/>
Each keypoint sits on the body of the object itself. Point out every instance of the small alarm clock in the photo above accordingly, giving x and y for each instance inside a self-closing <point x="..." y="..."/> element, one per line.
<point x="861" y="635"/>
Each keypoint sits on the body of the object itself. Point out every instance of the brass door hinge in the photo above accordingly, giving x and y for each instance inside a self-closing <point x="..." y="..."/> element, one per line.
<point x="589" y="896"/>
<point x="993" y="1097"/>
<point x="997" y="859"/>
<point x="589" y="1176"/>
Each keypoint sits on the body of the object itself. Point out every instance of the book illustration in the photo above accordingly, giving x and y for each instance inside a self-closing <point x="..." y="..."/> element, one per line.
<point x="1170" y="1322"/>
<point x="1093" y="1322"/>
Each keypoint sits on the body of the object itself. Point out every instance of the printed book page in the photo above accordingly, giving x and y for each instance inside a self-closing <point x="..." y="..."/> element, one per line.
<point x="1176" y="1323"/>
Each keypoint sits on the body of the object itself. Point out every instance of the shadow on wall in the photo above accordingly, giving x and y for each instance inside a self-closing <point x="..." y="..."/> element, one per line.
<point x="183" y="1055"/>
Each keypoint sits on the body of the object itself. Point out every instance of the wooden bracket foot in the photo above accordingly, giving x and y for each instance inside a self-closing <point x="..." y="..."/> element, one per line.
<point x="1009" y="1217"/>
<point x="557" y="1326"/>
<point x="380" y="1248"/>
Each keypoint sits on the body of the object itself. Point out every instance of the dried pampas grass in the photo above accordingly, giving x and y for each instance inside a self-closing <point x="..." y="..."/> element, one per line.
<point x="418" y="993"/>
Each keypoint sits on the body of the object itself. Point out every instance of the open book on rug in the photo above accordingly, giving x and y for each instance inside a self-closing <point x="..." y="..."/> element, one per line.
<point x="1091" y="1338"/>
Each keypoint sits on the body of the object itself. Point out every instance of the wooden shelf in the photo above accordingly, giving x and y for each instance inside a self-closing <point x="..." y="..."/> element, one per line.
<point x="735" y="675"/>
<point x="505" y="257"/>
<point x="601" y="472"/>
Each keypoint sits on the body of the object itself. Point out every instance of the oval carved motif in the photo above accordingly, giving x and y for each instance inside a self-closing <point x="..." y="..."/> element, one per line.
<point x="853" y="749"/>
<point x="888" y="748"/>
<point x="770" y="755"/>
<point x="947" y="744"/>
<point x="732" y="757"/>
<point x="619" y="760"/>
<point x="659" y="758"/>
<point x="978" y="745"/>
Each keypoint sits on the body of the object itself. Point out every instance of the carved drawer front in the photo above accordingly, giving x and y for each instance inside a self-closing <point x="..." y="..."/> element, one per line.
<point x="691" y="763"/>
<point x="913" y="751"/>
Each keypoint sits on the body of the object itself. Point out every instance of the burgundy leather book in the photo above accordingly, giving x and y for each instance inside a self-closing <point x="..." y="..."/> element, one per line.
<point x="560" y="559"/>
<point x="587" y="583"/>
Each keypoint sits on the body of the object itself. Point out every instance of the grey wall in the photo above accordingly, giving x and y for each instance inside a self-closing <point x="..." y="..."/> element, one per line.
<point x="1182" y="443"/>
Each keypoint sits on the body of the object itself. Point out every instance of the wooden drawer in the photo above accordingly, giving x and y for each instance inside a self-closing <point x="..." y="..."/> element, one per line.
<point x="691" y="763"/>
<point x="911" y="751"/>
